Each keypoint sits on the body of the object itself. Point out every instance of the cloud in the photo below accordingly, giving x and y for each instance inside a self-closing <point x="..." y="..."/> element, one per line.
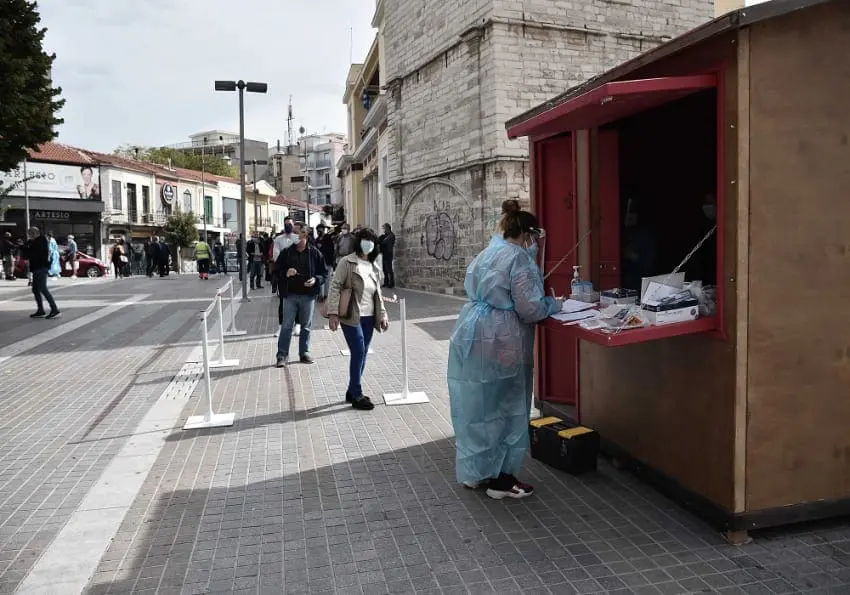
<point x="142" y="72"/>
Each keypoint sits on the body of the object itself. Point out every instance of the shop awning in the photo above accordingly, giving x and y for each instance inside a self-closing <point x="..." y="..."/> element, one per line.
<point x="610" y="102"/>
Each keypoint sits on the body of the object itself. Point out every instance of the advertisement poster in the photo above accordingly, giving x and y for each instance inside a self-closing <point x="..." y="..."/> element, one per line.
<point x="51" y="180"/>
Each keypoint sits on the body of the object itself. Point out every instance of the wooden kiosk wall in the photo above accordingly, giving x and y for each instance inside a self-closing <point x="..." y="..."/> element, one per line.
<point x="753" y="421"/>
<point x="798" y="371"/>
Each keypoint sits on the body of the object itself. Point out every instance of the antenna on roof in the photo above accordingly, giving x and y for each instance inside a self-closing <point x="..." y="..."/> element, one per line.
<point x="289" y="119"/>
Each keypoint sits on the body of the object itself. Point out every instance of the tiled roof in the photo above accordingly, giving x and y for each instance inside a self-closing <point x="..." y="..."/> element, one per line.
<point x="59" y="153"/>
<point x="291" y="202"/>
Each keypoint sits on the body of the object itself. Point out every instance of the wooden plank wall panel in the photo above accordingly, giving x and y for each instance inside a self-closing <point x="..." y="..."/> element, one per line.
<point x="671" y="403"/>
<point x="798" y="437"/>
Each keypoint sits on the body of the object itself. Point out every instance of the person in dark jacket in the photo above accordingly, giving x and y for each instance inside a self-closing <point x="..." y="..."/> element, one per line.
<point x="163" y="257"/>
<point x="301" y="272"/>
<point x="256" y="258"/>
<point x="37" y="252"/>
<point x="152" y="255"/>
<point x="387" y="245"/>
<point x="7" y="255"/>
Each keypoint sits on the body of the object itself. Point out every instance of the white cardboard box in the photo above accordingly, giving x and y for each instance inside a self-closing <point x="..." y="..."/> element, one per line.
<point x="671" y="316"/>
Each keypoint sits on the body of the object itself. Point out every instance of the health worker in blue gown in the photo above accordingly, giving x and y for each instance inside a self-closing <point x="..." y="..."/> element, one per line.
<point x="491" y="357"/>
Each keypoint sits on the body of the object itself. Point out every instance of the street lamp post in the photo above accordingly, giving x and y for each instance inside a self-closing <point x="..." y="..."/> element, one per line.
<point x="27" y="215"/>
<point x="242" y="86"/>
<point x="203" y="189"/>
<point x="254" y="164"/>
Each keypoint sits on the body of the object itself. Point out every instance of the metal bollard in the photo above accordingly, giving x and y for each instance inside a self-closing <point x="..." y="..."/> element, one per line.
<point x="222" y="361"/>
<point x="210" y="419"/>
<point x="405" y="397"/>
<point x="232" y="332"/>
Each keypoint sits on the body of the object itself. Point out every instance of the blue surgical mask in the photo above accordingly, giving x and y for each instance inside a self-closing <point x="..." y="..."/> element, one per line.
<point x="366" y="246"/>
<point x="710" y="211"/>
<point x="533" y="250"/>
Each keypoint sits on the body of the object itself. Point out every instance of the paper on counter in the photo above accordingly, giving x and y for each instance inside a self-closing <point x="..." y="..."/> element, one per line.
<point x="571" y="306"/>
<point x="572" y="317"/>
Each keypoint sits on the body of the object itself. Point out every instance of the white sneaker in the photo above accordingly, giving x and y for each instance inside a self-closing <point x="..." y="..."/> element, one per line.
<point x="507" y="486"/>
<point x="297" y="330"/>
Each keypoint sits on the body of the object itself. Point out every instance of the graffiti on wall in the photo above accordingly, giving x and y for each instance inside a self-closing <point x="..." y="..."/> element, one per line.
<point x="439" y="237"/>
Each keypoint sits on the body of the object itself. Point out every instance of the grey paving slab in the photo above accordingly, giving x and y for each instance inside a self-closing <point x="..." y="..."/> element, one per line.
<point x="305" y="495"/>
<point x="70" y="404"/>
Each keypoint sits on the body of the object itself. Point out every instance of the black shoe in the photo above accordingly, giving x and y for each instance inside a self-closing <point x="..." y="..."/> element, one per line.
<point x="306" y="359"/>
<point x="53" y="314"/>
<point x="281" y="362"/>
<point x="348" y="397"/>
<point x="39" y="314"/>
<point x="259" y="286"/>
<point x="363" y="403"/>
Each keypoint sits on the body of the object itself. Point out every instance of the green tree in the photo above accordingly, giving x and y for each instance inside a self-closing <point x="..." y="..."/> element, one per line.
<point x="28" y="100"/>
<point x="211" y="164"/>
<point x="7" y="192"/>
<point x="180" y="231"/>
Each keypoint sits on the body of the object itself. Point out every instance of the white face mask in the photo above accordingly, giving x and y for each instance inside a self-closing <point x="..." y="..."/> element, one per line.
<point x="366" y="246"/>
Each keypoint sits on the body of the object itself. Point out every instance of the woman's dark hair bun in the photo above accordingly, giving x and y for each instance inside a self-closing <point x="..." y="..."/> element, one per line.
<point x="510" y="207"/>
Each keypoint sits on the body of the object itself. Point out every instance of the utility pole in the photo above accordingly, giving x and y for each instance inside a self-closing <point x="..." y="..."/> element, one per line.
<point x="254" y="164"/>
<point x="27" y="209"/>
<point x="203" y="188"/>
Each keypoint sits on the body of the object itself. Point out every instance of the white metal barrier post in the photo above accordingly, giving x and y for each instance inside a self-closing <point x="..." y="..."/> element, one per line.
<point x="222" y="361"/>
<point x="210" y="419"/>
<point x="405" y="397"/>
<point x="232" y="332"/>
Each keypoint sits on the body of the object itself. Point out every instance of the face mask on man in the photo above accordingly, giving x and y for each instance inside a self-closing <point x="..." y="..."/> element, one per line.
<point x="710" y="211"/>
<point x="366" y="246"/>
<point x="287" y="228"/>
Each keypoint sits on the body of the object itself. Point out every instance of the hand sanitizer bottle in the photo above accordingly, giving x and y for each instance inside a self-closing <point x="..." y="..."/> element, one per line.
<point x="575" y="285"/>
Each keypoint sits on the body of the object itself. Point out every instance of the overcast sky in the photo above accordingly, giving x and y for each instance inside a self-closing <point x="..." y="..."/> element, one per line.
<point x="142" y="71"/>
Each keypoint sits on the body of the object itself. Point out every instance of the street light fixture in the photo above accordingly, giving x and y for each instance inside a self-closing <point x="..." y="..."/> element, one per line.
<point x="242" y="86"/>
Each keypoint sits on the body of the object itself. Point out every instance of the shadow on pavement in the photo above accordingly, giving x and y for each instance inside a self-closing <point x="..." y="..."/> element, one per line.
<point x="398" y="523"/>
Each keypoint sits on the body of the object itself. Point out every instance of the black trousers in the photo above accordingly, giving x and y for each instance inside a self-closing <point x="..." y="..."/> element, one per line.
<point x="389" y="274"/>
<point x="203" y="266"/>
<point x="151" y="267"/>
<point x="221" y="265"/>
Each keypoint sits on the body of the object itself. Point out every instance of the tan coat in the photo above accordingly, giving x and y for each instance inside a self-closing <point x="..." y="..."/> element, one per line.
<point x="346" y="275"/>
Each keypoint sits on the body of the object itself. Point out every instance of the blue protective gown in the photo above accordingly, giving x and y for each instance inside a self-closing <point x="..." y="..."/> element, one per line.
<point x="53" y="254"/>
<point x="491" y="360"/>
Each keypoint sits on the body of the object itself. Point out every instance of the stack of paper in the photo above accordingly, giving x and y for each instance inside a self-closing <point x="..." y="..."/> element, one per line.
<point x="573" y="311"/>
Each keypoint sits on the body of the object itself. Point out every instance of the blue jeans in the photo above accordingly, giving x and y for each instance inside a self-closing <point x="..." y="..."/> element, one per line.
<point x="39" y="288"/>
<point x="296" y="308"/>
<point x="358" y="338"/>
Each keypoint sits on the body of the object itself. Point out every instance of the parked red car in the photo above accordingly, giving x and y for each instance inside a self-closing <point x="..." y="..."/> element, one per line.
<point x="88" y="266"/>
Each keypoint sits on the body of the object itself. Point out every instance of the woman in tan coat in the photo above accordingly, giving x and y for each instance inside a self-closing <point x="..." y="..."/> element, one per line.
<point x="357" y="284"/>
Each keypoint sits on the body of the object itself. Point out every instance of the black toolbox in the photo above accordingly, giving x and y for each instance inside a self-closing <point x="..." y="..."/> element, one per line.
<point x="564" y="445"/>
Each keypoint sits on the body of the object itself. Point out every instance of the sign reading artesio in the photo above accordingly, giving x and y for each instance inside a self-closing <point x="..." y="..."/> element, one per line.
<point x="51" y="180"/>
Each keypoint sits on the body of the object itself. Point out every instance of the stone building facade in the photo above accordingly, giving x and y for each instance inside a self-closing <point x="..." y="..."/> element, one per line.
<point x="457" y="70"/>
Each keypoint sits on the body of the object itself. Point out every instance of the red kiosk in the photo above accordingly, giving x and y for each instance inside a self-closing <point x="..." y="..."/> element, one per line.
<point x="744" y="415"/>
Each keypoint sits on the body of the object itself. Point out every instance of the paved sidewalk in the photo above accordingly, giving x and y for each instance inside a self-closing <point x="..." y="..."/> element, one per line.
<point x="73" y="392"/>
<point x="306" y="495"/>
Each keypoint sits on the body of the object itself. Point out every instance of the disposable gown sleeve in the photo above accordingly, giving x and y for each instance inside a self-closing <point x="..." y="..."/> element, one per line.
<point x="527" y="293"/>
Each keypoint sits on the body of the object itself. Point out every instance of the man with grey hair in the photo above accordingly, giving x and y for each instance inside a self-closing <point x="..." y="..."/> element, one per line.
<point x="37" y="252"/>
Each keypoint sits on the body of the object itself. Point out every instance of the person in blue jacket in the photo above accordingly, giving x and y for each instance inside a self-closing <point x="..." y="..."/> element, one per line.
<point x="491" y="355"/>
